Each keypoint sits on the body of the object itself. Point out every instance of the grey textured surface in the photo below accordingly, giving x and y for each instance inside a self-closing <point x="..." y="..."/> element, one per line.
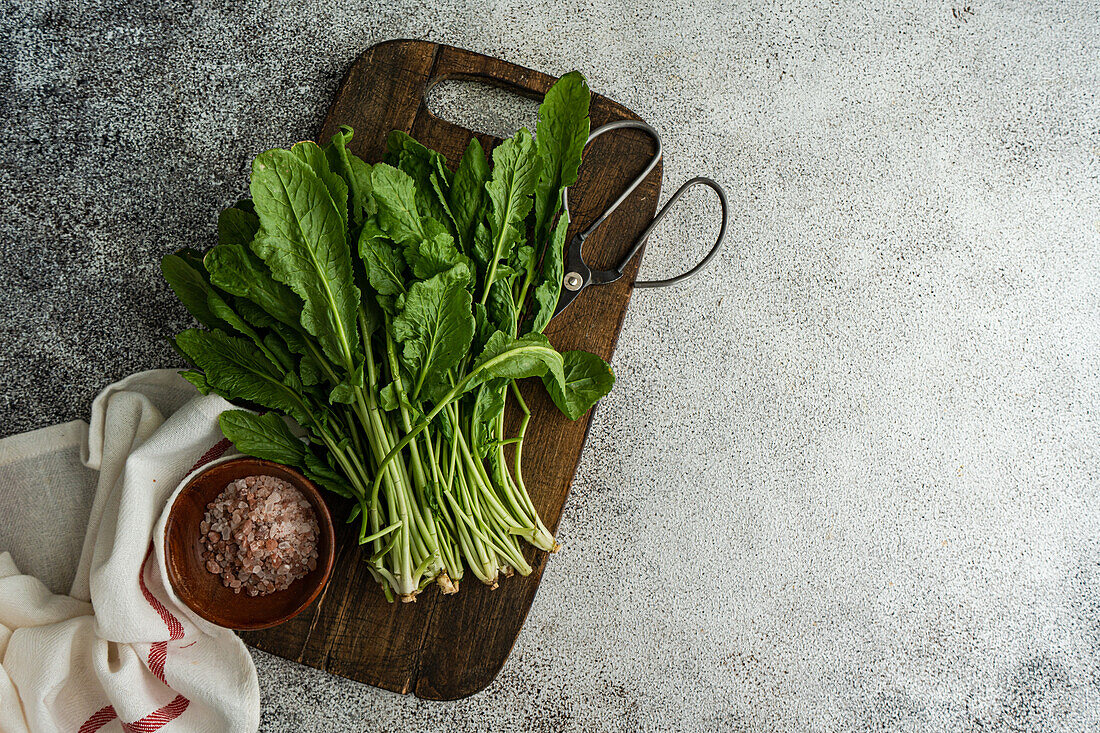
<point x="848" y="478"/>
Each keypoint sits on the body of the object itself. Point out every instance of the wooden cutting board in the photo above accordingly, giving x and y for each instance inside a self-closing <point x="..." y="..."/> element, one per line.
<point x="447" y="647"/>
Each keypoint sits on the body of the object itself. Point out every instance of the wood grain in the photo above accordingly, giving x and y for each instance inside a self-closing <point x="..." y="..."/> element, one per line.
<point x="447" y="647"/>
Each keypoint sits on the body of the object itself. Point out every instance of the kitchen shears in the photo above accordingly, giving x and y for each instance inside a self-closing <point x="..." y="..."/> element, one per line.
<point x="578" y="275"/>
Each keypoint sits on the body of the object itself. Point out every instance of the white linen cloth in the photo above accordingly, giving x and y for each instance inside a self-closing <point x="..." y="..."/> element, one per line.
<point x="120" y="651"/>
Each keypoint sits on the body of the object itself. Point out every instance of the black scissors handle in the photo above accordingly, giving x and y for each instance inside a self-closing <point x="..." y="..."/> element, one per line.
<point x="578" y="275"/>
<point x="722" y="201"/>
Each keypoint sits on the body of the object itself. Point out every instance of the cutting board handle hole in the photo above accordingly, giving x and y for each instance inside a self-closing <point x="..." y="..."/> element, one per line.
<point x="481" y="106"/>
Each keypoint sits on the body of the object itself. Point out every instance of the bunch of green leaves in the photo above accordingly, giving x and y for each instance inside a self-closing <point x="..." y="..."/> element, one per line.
<point x="387" y="310"/>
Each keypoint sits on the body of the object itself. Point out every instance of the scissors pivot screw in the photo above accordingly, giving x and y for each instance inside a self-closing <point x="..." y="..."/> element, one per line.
<point x="573" y="281"/>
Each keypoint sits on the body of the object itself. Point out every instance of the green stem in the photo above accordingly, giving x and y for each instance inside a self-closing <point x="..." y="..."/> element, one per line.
<point x="480" y="557"/>
<point x="502" y="466"/>
<point x="483" y="483"/>
<point x="452" y="395"/>
<point x="380" y="534"/>
<point x="516" y="559"/>
<point x="518" y="450"/>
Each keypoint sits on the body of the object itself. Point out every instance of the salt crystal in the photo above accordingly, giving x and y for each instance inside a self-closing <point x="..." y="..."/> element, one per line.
<point x="260" y="534"/>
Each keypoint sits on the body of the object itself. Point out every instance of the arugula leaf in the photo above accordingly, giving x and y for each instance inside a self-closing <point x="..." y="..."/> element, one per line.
<point x="387" y="397"/>
<point x="561" y="134"/>
<point x="355" y="172"/>
<point x="435" y="326"/>
<point x="548" y="291"/>
<point x="488" y="404"/>
<point x="515" y="358"/>
<point x="320" y="472"/>
<point x="500" y="307"/>
<point x="264" y="436"/>
<point x="563" y="129"/>
<point x="515" y="174"/>
<point x="183" y="271"/>
<point x="482" y="250"/>
<point x="237" y="226"/>
<point x="467" y="194"/>
<point x="383" y="262"/>
<point x="422" y="165"/>
<point x="185" y="275"/>
<point x="198" y="379"/>
<point x="312" y="155"/>
<point x="343" y="393"/>
<point x="434" y="254"/>
<point x="586" y="378"/>
<point x="442" y="192"/>
<point x="302" y="240"/>
<point x="429" y="198"/>
<point x="278" y="349"/>
<point x="483" y="329"/>
<point x="390" y="400"/>
<point x="310" y="369"/>
<point x="371" y="317"/>
<point x="237" y="369"/>
<point x="398" y="213"/>
<point x="523" y="260"/>
<point x="252" y="313"/>
<point x="292" y="380"/>
<point x="235" y="269"/>
<point x="225" y="312"/>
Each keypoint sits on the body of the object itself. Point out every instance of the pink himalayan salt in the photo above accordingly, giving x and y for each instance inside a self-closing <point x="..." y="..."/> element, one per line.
<point x="259" y="534"/>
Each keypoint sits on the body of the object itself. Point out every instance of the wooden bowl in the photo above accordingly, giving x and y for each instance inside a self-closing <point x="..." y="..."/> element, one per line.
<point x="202" y="590"/>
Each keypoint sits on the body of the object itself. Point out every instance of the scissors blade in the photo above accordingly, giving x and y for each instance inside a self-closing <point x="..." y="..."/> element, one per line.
<point x="566" y="297"/>
<point x="577" y="275"/>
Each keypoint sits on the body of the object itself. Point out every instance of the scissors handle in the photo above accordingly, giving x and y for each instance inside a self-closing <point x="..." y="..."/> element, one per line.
<point x="722" y="200"/>
<point x="606" y="276"/>
<point x="618" y="125"/>
<point x="578" y="275"/>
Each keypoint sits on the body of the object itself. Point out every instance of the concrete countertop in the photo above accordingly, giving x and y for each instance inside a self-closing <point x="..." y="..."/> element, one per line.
<point x="848" y="478"/>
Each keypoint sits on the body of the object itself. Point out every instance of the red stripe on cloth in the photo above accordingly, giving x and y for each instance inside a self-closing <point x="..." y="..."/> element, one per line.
<point x="217" y="451"/>
<point x="100" y="718"/>
<point x="158" y="719"/>
<point x="158" y="651"/>
<point x="175" y="628"/>
<point x="158" y="655"/>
